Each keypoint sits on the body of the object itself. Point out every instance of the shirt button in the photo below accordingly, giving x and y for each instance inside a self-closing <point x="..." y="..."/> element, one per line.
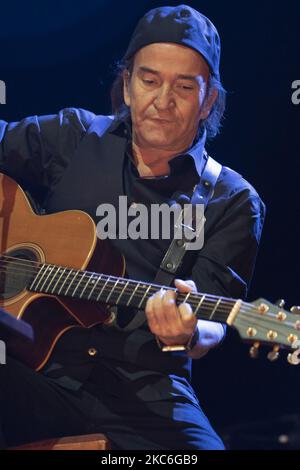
<point x="92" y="352"/>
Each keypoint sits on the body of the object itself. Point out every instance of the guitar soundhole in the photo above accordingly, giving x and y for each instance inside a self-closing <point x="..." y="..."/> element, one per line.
<point x="17" y="271"/>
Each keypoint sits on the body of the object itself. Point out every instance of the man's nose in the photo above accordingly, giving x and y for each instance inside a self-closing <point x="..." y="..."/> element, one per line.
<point x="164" y="99"/>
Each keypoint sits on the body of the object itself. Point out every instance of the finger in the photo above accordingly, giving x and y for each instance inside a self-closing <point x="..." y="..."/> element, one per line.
<point x="170" y="313"/>
<point x="188" y="319"/>
<point x="164" y="307"/>
<point x="185" y="286"/>
<point x="150" y="314"/>
<point x="157" y="308"/>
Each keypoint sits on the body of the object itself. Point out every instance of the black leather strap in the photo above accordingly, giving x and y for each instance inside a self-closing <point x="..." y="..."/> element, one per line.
<point x="202" y="194"/>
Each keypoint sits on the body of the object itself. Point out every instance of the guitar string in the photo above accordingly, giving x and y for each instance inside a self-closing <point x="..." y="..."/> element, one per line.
<point x="252" y="311"/>
<point x="34" y="267"/>
<point x="118" y="288"/>
<point x="129" y="289"/>
<point x="110" y="278"/>
<point x="138" y="295"/>
<point x="205" y="307"/>
<point x="252" y="314"/>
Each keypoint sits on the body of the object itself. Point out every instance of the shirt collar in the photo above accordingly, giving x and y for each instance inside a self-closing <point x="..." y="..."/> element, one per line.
<point x="122" y="127"/>
<point x="197" y="152"/>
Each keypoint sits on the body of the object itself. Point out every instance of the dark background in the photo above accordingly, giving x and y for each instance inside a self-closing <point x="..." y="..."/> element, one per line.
<point x="56" y="54"/>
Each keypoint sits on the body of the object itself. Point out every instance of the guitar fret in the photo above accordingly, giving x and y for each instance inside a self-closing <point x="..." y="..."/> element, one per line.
<point x="122" y="292"/>
<point x="62" y="286"/>
<point x="40" y="288"/>
<point x="32" y="286"/>
<point x="214" y="310"/>
<point x="53" y="277"/>
<point x="53" y="288"/>
<point x="98" y="279"/>
<point x="103" y="287"/>
<point x="112" y="291"/>
<point x="40" y="274"/>
<point x="73" y="293"/>
<point x="86" y="284"/>
<point x="68" y="288"/>
<point x="186" y="297"/>
<point x="129" y="300"/>
<point x="141" y="302"/>
<point x="199" y="304"/>
<point x="49" y="274"/>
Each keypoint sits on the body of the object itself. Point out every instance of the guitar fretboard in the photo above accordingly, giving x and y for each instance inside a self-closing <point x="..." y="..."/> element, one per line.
<point x="85" y="285"/>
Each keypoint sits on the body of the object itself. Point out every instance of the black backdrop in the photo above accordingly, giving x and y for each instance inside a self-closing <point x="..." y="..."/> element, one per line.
<point x="56" y="54"/>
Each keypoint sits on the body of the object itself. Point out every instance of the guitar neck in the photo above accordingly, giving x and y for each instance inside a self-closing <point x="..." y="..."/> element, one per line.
<point x="85" y="285"/>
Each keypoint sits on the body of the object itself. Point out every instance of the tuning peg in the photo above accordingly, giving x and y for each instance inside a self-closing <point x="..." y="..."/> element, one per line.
<point x="296" y="309"/>
<point x="254" y="353"/>
<point x="294" y="358"/>
<point x="280" y="303"/>
<point x="273" y="355"/>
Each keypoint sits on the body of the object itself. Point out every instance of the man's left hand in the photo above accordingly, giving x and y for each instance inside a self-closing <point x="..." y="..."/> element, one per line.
<point x="172" y="324"/>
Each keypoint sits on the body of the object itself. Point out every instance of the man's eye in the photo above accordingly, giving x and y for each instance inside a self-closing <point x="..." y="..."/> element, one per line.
<point x="148" y="82"/>
<point x="186" y="87"/>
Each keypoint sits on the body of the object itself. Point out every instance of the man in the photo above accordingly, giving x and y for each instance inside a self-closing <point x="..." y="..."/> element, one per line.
<point x="151" y="151"/>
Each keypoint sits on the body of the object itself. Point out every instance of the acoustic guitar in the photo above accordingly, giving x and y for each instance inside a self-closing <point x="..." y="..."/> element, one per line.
<point x="48" y="278"/>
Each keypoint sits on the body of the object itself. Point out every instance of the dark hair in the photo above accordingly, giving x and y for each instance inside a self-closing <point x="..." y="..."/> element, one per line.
<point x="212" y="123"/>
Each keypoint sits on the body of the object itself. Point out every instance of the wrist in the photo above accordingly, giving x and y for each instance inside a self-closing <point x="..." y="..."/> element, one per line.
<point x="185" y="343"/>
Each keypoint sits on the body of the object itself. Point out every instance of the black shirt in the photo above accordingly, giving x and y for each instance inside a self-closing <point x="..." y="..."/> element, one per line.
<point x="76" y="160"/>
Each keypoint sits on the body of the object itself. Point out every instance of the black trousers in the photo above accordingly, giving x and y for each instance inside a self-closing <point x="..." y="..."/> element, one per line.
<point x="34" y="407"/>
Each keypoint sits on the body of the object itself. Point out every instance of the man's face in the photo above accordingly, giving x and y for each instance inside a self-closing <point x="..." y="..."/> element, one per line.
<point x="167" y="95"/>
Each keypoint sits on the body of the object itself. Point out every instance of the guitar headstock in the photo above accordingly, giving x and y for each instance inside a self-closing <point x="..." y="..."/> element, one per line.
<point x="262" y="322"/>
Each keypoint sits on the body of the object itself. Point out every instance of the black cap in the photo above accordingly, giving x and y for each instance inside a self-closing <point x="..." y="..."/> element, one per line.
<point x="180" y="25"/>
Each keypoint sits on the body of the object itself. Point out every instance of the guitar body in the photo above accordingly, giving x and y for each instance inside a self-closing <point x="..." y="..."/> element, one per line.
<point x="67" y="239"/>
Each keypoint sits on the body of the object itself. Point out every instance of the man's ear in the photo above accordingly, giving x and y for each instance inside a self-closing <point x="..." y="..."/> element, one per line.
<point x="208" y="103"/>
<point x="126" y="93"/>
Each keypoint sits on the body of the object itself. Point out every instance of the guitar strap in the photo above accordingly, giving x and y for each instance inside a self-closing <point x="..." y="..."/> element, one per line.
<point x="203" y="192"/>
<point x="174" y="256"/>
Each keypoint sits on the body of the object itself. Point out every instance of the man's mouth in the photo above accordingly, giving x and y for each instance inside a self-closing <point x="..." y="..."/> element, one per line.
<point x="161" y="121"/>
